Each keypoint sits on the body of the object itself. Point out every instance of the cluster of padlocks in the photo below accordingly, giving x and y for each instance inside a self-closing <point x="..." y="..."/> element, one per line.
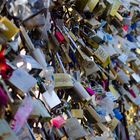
<point x="69" y="70"/>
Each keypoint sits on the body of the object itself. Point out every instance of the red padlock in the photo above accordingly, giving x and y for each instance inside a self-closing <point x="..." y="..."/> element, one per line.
<point x="5" y="70"/>
<point x="59" y="36"/>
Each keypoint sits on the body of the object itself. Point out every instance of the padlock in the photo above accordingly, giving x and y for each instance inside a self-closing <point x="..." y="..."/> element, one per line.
<point x="64" y="54"/>
<point x="95" y="116"/>
<point x="99" y="9"/>
<point x="87" y="51"/>
<point x="73" y="36"/>
<point x="114" y="91"/>
<point x="73" y="129"/>
<point x="135" y="89"/>
<point x="39" y="110"/>
<point x="8" y="29"/>
<point x="36" y="53"/>
<point x="122" y="77"/>
<point x="119" y="16"/>
<point x="91" y="68"/>
<point x="51" y="100"/>
<point x="22" y="80"/>
<point x="90" y="91"/>
<point x="5" y="69"/>
<point x="91" y="39"/>
<point x="91" y="5"/>
<point x="103" y="56"/>
<point x="113" y="124"/>
<point x="81" y="92"/>
<point x="80" y="55"/>
<point x="27" y="63"/>
<point x="136" y="77"/>
<point x="93" y="23"/>
<point x="58" y="121"/>
<point x="116" y="23"/>
<point x="62" y="80"/>
<point x="115" y="7"/>
<point x="77" y="113"/>
<point x="59" y="36"/>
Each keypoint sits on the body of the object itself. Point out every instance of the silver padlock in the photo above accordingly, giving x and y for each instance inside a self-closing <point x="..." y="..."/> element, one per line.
<point x="51" y="99"/>
<point x="27" y="63"/>
<point x="74" y="130"/>
<point x="22" y="80"/>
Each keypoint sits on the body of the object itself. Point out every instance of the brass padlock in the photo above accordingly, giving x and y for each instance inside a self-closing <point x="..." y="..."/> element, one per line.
<point x="7" y="28"/>
<point x="115" y="7"/>
<point x="89" y="40"/>
<point x="78" y="113"/>
<point x="62" y="80"/>
<point x="64" y="54"/>
<point x="99" y="9"/>
<point x="91" y="5"/>
<point x="102" y="56"/>
<point x="113" y="124"/>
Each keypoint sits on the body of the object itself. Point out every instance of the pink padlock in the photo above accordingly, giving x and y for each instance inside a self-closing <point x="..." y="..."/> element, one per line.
<point x="58" y="121"/>
<point x="90" y="91"/>
<point x="59" y="36"/>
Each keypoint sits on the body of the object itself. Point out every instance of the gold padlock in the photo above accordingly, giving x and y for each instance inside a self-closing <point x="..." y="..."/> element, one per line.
<point x="7" y="28"/>
<point x="113" y="124"/>
<point x="62" y="80"/>
<point x="92" y="4"/>
<point x="78" y="113"/>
